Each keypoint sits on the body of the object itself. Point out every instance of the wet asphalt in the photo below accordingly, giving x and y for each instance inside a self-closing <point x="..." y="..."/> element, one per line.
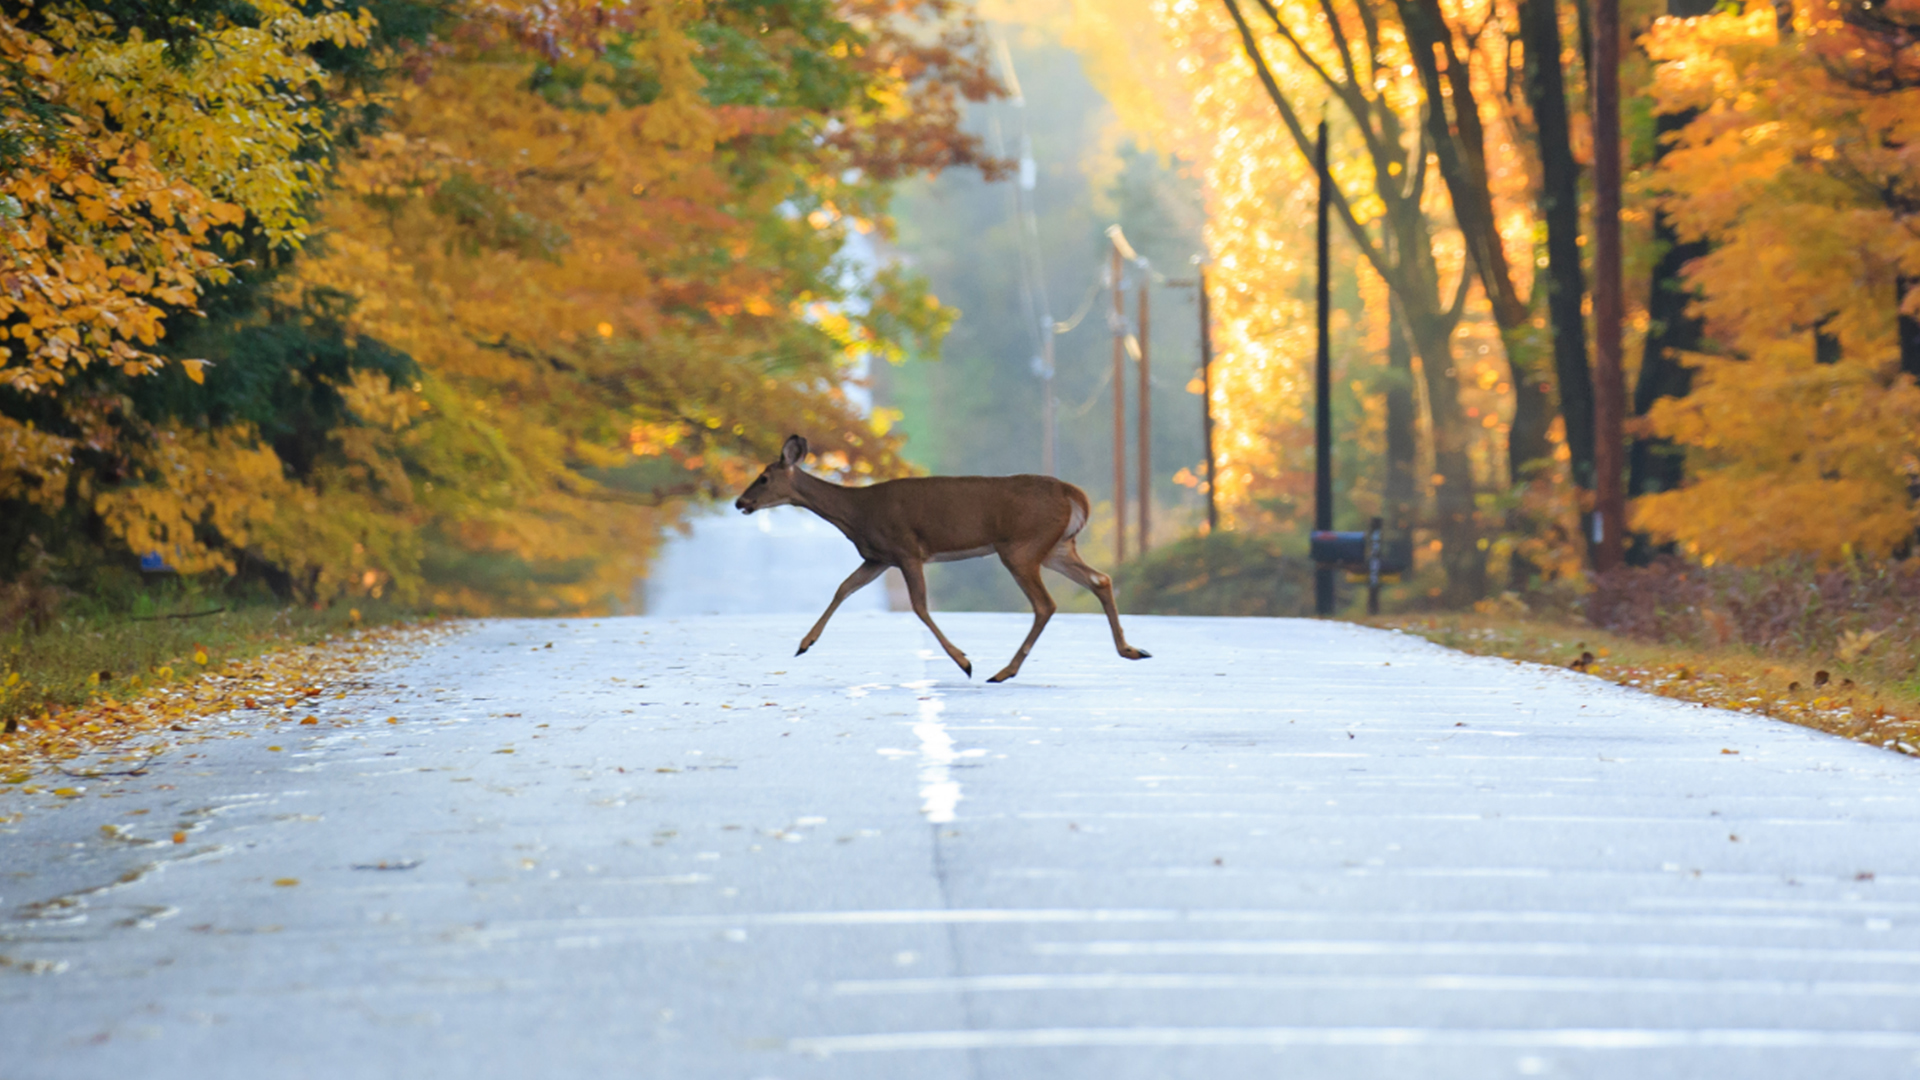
<point x="666" y="847"/>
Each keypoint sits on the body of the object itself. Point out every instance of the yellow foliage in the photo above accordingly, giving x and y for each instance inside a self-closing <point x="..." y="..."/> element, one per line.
<point x="1794" y="174"/>
<point x="548" y="259"/>
<point x="1793" y="458"/>
<point x="121" y="212"/>
<point x="1178" y="76"/>
<point x="592" y="267"/>
<point x="222" y="481"/>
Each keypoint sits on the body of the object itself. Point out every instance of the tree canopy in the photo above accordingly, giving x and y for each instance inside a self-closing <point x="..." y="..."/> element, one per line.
<point x="445" y="300"/>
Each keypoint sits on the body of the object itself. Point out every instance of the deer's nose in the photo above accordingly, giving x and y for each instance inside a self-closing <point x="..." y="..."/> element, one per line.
<point x="740" y="504"/>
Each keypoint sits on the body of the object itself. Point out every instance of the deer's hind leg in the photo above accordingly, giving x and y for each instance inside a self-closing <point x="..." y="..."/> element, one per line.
<point x="1024" y="565"/>
<point x="1066" y="560"/>
<point x="917" y="595"/>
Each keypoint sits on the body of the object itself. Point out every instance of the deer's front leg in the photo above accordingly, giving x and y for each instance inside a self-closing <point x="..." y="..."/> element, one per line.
<point x="917" y="594"/>
<point x="855" y="582"/>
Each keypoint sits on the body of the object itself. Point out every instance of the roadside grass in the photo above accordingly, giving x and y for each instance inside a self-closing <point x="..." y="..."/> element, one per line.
<point x="94" y="747"/>
<point x="1824" y="689"/>
<point x="267" y="668"/>
<point x="81" y="656"/>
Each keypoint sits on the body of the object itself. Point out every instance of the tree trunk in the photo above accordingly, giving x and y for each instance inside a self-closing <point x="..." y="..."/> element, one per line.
<point x="1403" y="256"/>
<point x="1528" y="448"/>
<point x="1403" y="499"/>
<point x="1908" y="327"/>
<point x="1560" y="208"/>
<point x="1655" y="464"/>
<point x="1826" y="347"/>
<point x="1460" y="553"/>
<point x="1459" y="144"/>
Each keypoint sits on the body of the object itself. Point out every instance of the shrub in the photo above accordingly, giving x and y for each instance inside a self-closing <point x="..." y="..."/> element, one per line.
<point x="1224" y="573"/>
<point x="1861" y="615"/>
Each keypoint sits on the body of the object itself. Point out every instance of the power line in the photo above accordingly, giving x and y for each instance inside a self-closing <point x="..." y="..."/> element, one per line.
<point x="1033" y="271"/>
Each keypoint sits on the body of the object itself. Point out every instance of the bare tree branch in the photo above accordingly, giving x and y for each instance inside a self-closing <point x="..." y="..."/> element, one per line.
<point x="1340" y="42"/>
<point x="1460" y="145"/>
<point x="1344" y="91"/>
<point x="1357" y="231"/>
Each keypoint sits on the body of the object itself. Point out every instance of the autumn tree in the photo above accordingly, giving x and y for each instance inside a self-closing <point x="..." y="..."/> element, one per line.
<point x="580" y="265"/>
<point x="148" y="151"/>
<point x="1360" y="66"/>
<point x="1654" y="463"/>
<point x="1803" y="431"/>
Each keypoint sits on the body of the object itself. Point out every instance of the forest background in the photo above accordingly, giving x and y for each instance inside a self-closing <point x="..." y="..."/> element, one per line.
<point x="463" y="303"/>
<point x="454" y="304"/>
<point x="1771" y="332"/>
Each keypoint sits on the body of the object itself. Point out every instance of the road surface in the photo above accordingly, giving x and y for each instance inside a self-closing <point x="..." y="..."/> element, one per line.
<point x="669" y="848"/>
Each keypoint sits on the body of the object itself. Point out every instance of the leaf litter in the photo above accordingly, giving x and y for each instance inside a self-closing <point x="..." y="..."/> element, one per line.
<point x="123" y="737"/>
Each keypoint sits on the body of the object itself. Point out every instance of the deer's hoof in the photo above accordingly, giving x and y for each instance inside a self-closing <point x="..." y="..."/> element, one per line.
<point x="1005" y="674"/>
<point x="804" y="646"/>
<point x="966" y="665"/>
<point x="1132" y="653"/>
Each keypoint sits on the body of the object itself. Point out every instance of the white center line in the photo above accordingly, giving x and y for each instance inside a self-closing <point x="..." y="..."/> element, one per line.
<point x="939" y="791"/>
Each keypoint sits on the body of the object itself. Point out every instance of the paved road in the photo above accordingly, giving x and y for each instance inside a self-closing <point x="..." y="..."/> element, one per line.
<point x="668" y="849"/>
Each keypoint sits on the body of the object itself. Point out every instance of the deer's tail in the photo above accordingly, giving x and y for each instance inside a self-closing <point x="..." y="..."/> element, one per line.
<point x="1081" y="510"/>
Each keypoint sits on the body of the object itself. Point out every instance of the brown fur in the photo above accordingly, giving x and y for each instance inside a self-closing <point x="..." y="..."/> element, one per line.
<point x="1029" y="521"/>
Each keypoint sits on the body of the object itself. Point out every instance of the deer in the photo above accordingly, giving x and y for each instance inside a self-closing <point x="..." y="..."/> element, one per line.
<point x="1029" y="521"/>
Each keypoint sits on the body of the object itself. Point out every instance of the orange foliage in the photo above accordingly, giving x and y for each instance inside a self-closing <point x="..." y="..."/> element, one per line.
<point x="1803" y="169"/>
<point x="1179" y="76"/>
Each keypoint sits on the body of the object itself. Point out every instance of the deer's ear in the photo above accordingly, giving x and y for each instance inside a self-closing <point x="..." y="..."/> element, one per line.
<point x="794" y="451"/>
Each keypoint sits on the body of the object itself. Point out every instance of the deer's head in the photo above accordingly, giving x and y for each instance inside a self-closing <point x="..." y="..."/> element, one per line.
<point x="775" y="485"/>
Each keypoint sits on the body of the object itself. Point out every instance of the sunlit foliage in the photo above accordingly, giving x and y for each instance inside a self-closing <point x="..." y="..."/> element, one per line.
<point x="1179" y="71"/>
<point x="462" y="306"/>
<point x="1802" y="168"/>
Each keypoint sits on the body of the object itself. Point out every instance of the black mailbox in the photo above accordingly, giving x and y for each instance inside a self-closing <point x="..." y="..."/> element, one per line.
<point x="1348" y="550"/>
<point x="1339" y="548"/>
<point x="1368" y="553"/>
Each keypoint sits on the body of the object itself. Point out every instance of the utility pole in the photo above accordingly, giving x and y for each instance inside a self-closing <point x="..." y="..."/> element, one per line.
<point x="1322" y="391"/>
<point x="1145" y="431"/>
<point x="1047" y="408"/>
<point x="1609" y="393"/>
<point x="1119" y="323"/>
<point x="1206" y="395"/>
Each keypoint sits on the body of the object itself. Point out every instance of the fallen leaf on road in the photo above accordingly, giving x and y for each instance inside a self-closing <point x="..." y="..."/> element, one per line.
<point x="167" y="706"/>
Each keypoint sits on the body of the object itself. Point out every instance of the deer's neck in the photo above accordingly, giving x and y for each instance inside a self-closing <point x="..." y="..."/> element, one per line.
<point x="837" y="504"/>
